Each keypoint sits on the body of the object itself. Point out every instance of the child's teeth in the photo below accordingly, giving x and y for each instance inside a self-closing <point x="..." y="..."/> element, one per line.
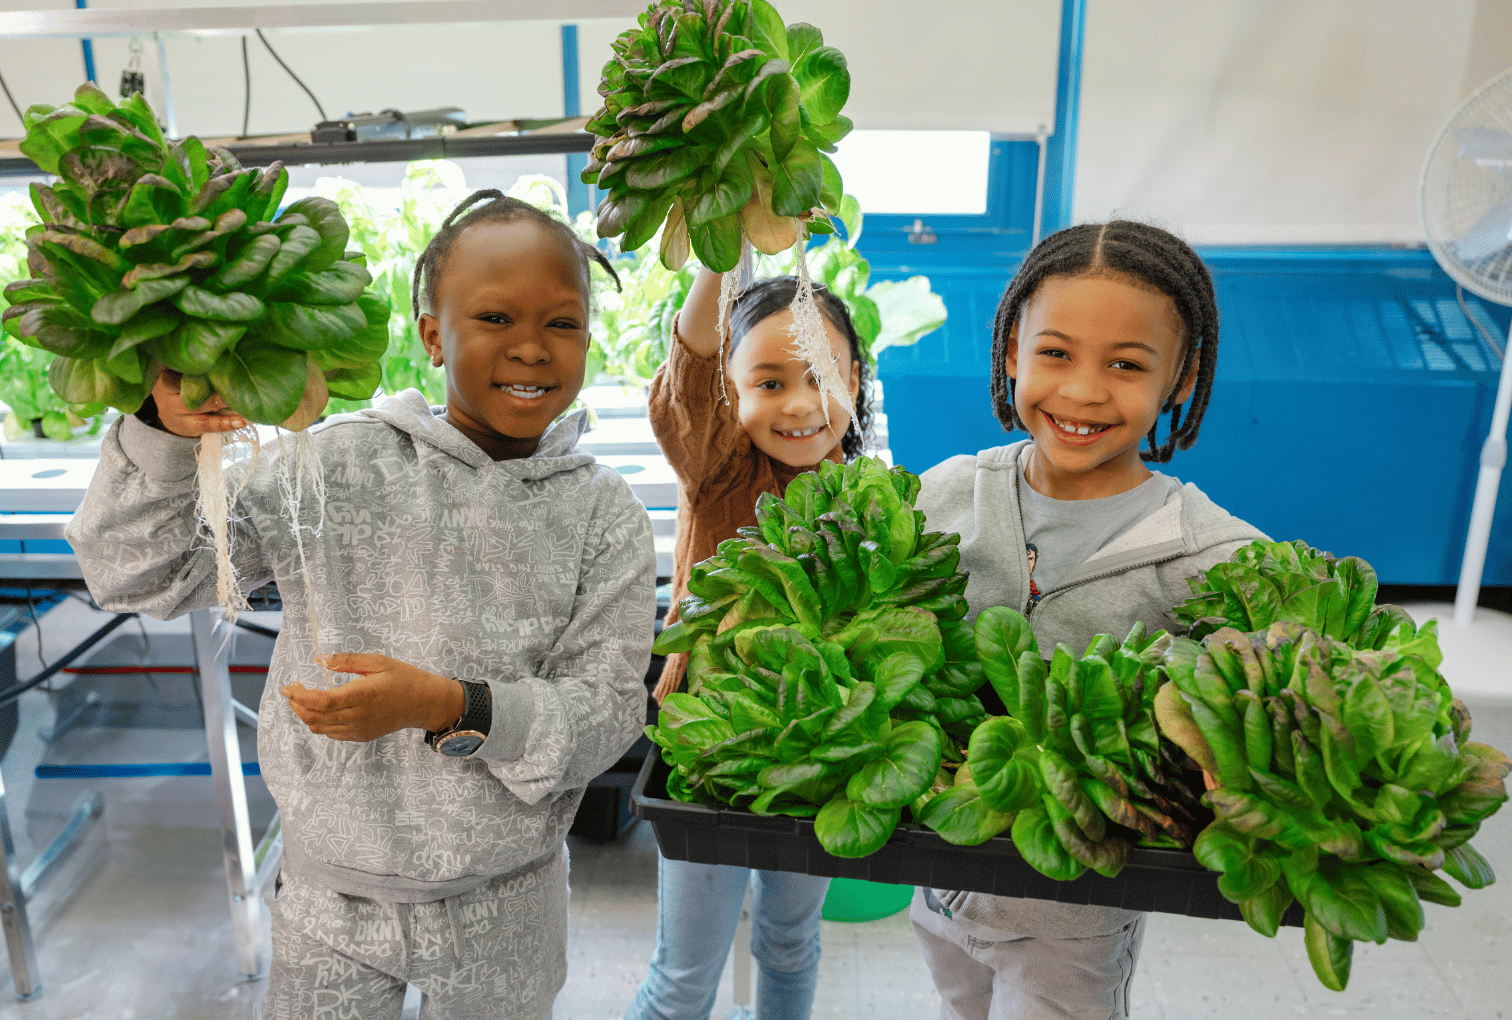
<point x="1078" y="430"/>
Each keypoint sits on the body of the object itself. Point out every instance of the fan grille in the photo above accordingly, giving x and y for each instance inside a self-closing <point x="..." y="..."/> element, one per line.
<point x="1457" y="191"/>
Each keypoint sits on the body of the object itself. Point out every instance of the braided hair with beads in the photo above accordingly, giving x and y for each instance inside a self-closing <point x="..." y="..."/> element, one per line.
<point x="493" y="206"/>
<point x="1146" y="257"/>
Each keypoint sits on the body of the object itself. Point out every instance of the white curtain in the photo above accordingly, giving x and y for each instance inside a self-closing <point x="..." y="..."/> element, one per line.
<point x="1274" y="121"/>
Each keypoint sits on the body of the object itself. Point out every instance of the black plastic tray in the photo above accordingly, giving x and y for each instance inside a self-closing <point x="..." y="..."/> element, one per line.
<point x="1169" y="881"/>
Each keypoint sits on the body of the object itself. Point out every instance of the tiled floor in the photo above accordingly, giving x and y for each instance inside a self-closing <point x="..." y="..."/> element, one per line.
<point x="148" y="936"/>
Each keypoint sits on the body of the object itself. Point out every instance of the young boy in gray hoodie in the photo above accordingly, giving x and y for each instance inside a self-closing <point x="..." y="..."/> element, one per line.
<point x="1105" y="328"/>
<point x="491" y="587"/>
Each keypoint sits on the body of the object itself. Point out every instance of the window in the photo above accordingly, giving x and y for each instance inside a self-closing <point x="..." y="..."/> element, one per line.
<point x="939" y="172"/>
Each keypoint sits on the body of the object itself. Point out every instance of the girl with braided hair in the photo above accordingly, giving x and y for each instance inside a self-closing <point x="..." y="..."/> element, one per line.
<point x="489" y="594"/>
<point x="1107" y="335"/>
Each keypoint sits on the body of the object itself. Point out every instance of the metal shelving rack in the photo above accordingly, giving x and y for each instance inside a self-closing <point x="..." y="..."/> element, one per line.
<point x="400" y="150"/>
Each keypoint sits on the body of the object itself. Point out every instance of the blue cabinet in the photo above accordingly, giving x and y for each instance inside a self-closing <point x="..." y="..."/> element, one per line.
<point x="1349" y="408"/>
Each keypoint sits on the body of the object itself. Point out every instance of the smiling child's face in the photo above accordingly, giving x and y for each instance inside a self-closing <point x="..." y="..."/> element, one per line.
<point x="1093" y="360"/>
<point x="778" y="399"/>
<point x="511" y="327"/>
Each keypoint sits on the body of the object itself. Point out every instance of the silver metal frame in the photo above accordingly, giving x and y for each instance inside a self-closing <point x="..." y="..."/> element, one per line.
<point x="248" y="869"/>
<point x="105" y="22"/>
<point x="18" y="886"/>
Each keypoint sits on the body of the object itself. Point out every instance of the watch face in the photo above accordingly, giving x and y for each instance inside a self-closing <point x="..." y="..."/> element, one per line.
<point x="460" y="744"/>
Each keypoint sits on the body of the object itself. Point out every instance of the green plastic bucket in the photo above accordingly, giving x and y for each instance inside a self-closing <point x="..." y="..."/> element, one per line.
<point x="850" y="899"/>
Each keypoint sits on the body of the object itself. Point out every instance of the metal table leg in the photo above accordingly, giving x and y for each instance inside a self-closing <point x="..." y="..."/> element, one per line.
<point x="211" y="654"/>
<point x="17" y="886"/>
<point x="18" y="933"/>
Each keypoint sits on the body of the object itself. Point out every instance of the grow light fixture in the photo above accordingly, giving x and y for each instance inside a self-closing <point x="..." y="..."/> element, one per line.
<point x="365" y="127"/>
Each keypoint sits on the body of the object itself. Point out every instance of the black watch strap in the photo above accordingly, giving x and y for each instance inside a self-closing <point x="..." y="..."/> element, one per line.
<point x="476" y="716"/>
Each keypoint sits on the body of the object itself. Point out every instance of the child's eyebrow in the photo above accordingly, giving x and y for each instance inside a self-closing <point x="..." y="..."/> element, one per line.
<point x="769" y="366"/>
<point x="1122" y="346"/>
<point x="1136" y="345"/>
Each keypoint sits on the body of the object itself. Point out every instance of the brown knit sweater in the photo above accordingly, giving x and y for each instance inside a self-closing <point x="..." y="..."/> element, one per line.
<point x="720" y="472"/>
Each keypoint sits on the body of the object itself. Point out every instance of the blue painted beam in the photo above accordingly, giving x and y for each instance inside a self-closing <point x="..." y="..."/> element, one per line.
<point x="578" y="197"/>
<point x="1060" y="149"/>
<point x="89" y="68"/>
<point x="136" y="770"/>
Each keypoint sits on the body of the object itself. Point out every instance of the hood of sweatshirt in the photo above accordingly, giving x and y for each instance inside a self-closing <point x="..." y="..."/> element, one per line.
<point x="1187" y="524"/>
<point x="412" y="414"/>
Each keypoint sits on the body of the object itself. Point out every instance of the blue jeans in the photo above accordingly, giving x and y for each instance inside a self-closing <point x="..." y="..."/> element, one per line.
<point x="698" y="907"/>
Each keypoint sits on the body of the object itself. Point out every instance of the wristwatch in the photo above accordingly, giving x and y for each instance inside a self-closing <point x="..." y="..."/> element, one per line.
<point x="467" y="734"/>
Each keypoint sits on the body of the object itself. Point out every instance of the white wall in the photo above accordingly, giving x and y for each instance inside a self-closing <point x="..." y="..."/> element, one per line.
<point x="1285" y="121"/>
<point x="948" y="64"/>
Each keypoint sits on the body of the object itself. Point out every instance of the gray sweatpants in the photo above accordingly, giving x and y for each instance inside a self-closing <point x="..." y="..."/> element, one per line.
<point x="1026" y="978"/>
<point x="498" y="952"/>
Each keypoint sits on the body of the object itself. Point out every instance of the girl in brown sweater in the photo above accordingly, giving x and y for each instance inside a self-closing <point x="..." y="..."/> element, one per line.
<point x="729" y="441"/>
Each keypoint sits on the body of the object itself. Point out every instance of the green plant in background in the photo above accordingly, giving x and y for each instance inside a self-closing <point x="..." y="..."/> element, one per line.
<point x="636" y="327"/>
<point x="23" y="370"/>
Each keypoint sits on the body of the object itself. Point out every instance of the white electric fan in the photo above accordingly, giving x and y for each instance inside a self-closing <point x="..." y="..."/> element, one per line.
<point x="1465" y="198"/>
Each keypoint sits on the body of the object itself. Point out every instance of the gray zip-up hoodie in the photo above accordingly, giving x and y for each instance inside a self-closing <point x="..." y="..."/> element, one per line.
<point x="1140" y="575"/>
<point x="536" y="575"/>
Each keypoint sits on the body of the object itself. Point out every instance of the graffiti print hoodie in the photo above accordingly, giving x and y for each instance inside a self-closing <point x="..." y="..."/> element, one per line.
<point x="535" y="575"/>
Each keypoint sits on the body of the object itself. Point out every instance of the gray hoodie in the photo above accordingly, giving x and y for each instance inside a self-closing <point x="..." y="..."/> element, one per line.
<point x="1140" y="575"/>
<point x="535" y="575"/>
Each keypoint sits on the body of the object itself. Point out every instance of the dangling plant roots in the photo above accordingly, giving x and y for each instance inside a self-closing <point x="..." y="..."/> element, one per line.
<point x="213" y="507"/>
<point x="714" y="129"/>
<point x="153" y="255"/>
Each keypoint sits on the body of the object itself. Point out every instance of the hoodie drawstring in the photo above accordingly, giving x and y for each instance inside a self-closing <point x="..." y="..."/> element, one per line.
<point x="404" y="937"/>
<point x="454" y="914"/>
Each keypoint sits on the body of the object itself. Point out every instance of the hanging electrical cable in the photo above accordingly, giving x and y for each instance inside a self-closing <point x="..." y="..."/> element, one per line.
<point x="31" y="610"/>
<point x="247" y="91"/>
<point x="12" y="100"/>
<point x="286" y="67"/>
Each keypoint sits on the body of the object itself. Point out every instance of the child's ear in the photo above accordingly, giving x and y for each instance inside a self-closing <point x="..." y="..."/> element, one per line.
<point x="855" y="381"/>
<point x="1011" y="357"/>
<point x="430" y="336"/>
